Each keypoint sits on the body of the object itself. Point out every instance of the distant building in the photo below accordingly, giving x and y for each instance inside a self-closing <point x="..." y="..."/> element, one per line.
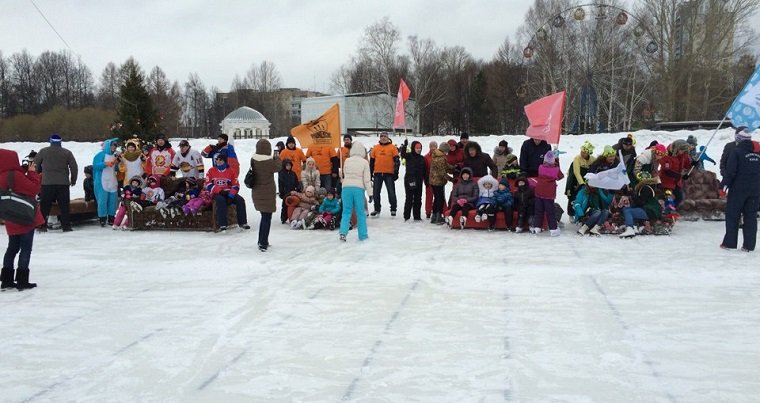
<point x="361" y="112"/>
<point x="245" y="123"/>
<point x="691" y="27"/>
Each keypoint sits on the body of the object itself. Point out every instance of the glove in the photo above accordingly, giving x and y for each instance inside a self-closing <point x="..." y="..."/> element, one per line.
<point x="461" y="202"/>
<point x="370" y="200"/>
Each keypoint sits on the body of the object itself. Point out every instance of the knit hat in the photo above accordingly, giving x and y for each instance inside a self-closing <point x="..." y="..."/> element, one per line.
<point x="587" y="147"/>
<point x="660" y="149"/>
<point x="626" y="141"/>
<point x="444" y="147"/>
<point x="222" y="156"/>
<point x="290" y="140"/>
<point x="160" y="136"/>
<point x="309" y="188"/>
<point x="348" y="136"/>
<point x="504" y="181"/>
<point x="742" y="133"/>
<point x="504" y="144"/>
<point x="55" y="138"/>
<point x="652" y="144"/>
<point x="332" y="191"/>
<point x="225" y="137"/>
<point x="692" y="140"/>
<point x="182" y="142"/>
<point x="511" y="158"/>
<point x="464" y="135"/>
<point x="452" y="144"/>
<point x="608" y="151"/>
<point x="549" y="158"/>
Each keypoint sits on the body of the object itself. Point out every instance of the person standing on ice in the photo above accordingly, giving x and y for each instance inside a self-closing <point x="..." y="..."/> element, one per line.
<point x="264" y="165"/>
<point x="20" y="237"/>
<point x="742" y="178"/>
<point x="384" y="164"/>
<point x="59" y="170"/>
<point x="546" y="191"/>
<point x="356" y="181"/>
<point x="105" y="182"/>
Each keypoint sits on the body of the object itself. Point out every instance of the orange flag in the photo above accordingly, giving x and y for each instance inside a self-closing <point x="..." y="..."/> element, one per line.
<point x="399" y="118"/>
<point x="545" y="117"/>
<point x="322" y="131"/>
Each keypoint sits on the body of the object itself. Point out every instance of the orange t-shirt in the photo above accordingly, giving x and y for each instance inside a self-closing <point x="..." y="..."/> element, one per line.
<point x="384" y="155"/>
<point x="322" y="156"/>
<point x="296" y="157"/>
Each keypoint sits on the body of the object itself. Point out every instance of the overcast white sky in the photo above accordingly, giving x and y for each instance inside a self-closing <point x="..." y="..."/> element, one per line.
<point x="307" y="40"/>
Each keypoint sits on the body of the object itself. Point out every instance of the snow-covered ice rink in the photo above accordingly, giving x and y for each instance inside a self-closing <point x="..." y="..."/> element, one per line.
<point x="416" y="313"/>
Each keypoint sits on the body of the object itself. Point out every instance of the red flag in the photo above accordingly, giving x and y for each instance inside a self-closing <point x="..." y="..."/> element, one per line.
<point x="545" y="117"/>
<point x="399" y="119"/>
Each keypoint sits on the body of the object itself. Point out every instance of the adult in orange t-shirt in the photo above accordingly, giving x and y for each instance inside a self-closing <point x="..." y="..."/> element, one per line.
<point x="294" y="154"/>
<point x="384" y="163"/>
<point x="327" y="164"/>
<point x="347" y="142"/>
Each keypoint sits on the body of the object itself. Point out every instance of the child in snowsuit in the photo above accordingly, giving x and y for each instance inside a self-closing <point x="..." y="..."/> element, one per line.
<point x="130" y="193"/>
<point x="287" y="182"/>
<point x="546" y="191"/>
<point x="328" y="212"/>
<point x="310" y="174"/>
<point x="524" y="203"/>
<point x="486" y="204"/>
<point x="463" y="197"/>
<point x="504" y="201"/>
<point x="197" y="203"/>
<point x="511" y="168"/>
<point x="153" y="192"/>
<point x="307" y="204"/>
<point x="595" y="205"/>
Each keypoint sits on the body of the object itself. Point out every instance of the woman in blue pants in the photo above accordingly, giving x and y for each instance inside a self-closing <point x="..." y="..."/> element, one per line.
<point x="356" y="181"/>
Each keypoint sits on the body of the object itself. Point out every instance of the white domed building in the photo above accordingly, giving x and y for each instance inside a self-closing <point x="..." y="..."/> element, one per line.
<point x="245" y="123"/>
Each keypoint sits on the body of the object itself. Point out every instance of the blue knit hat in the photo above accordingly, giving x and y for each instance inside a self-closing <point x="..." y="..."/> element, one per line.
<point x="55" y="138"/>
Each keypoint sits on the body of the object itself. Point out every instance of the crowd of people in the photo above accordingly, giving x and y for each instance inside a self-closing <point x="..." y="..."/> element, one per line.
<point x="330" y="185"/>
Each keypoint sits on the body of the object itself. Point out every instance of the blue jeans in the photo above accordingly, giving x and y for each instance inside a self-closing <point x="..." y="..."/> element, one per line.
<point x="19" y="243"/>
<point x="634" y="213"/>
<point x="221" y="209"/>
<point x="378" y="186"/>
<point x="353" y="199"/>
<point x="597" y="217"/>
<point x="325" y="181"/>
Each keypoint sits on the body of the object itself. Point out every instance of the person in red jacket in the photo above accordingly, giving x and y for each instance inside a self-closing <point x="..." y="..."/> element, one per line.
<point x="222" y="183"/>
<point x="20" y="237"/>
<point x="429" y="189"/>
<point x="674" y="167"/>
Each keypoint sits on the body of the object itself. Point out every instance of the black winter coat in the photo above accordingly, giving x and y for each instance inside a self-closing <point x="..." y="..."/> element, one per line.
<point x="287" y="181"/>
<point x="481" y="163"/>
<point x="742" y="174"/>
<point x="415" y="166"/>
<point x="532" y="156"/>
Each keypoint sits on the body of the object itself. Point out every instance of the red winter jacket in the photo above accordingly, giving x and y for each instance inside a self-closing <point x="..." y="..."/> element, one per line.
<point x="670" y="169"/>
<point x="26" y="184"/>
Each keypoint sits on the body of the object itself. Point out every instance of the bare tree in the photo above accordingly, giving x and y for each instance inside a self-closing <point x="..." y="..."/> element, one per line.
<point x="427" y="77"/>
<point x="24" y="82"/>
<point x="108" y="89"/>
<point x="197" y="104"/>
<point x="269" y="77"/>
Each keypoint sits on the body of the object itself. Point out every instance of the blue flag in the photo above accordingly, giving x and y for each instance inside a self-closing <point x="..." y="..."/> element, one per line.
<point x="745" y="111"/>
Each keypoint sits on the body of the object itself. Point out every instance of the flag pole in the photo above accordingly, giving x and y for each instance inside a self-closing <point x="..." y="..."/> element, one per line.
<point x="704" y="150"/>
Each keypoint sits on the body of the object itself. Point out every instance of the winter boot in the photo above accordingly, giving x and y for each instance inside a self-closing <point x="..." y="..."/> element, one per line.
<point x="6" y="276"/>
<point x="628" y="233"/>
<point x="477" y="218"/>
<point x="102" y="221"/>
<point x="449" y="221"/>
<point x="462" y="222"/>
<point x="22" y="280"/>
<point x="595" y="231"/>
<point x="393" y="213"/>
<point x="375" y="214"/>
<point x="584" y="229"/>
<point x="554" y="232"/>
<point x="111" y="219"/>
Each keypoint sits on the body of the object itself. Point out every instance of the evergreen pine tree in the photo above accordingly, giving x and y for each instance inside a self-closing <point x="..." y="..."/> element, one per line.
<point x="136" y="112"/>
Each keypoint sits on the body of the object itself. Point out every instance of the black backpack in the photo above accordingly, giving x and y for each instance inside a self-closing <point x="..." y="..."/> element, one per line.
<point x="16" y="208"/>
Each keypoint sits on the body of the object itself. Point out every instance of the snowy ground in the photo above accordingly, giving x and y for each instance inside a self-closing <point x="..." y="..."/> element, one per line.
<point x="417" y="313"/>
